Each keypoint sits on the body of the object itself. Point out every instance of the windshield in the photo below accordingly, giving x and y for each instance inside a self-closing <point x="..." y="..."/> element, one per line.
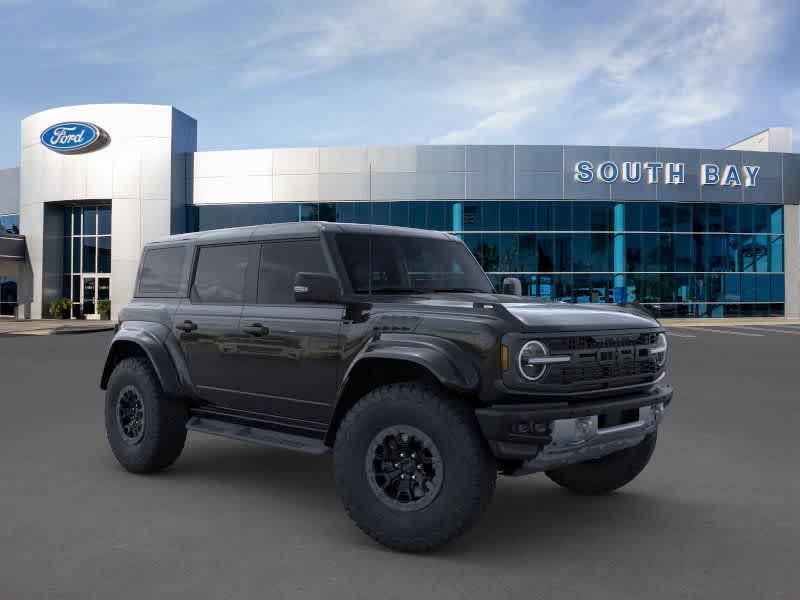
<point x="400" y="264"/>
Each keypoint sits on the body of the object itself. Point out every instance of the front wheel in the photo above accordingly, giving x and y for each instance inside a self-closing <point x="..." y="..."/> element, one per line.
<point x="412" y="468"/>
<point x="606" y="474"/>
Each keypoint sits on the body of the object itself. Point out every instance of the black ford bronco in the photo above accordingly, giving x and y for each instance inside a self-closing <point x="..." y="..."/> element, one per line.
<point x="390" y="348"/>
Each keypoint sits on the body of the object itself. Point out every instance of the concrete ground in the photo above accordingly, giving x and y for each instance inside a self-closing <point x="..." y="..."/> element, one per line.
<point x="52" y="326"/>
<point x="715" y="515"/>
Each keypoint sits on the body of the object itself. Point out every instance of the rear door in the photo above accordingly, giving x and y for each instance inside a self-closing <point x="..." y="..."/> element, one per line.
<point x="289" y="351"/>
<point x="207" y="323"/>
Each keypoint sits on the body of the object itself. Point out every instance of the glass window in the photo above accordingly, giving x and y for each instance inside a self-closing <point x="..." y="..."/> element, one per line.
<point x="399" y="214"/>
<point x="544" y="216"/>
<point x="761" y="218"/>
<point x="562" y="216"/>
<point x="633" y="252"/>
<point x="730" y="217"/>
<point x="715" y="218"/>
<point x="103" y="288"/>
<point x="509" y="216"/>
<point x="700" y="218"/>
<point x="633" y="216"/>
<point x="683" y="217"/>
<point x="563" y="252"/>
<point x="308" y="212"/>
<point x="220" y="274"/>
<point x="527" y="252"/>
<point x="776" y="219"/>
<point x="490" y="217"/>
<point x="89" y="254"/>
<point x="280" y="262"/>
<point x="776" y="253"/>
<point x="527" y="216"/>
<point x="9" y="224"/>
<point x="89" y="221"/>
<point x="380" y="213"/>
<point x="416" y="214"/>
<point x="490" y="252"/>
<point x="104" y="220"/>
<point x="581" y="216"/>
<point x="509" y="253"/>
<point x="440" y="216"/>
<point x="545" y="252"/>
<point x="104" y="254"/>
<point x="649" y="216"/>
<point x="162" y="271"/>
<point x="472" y="216"/>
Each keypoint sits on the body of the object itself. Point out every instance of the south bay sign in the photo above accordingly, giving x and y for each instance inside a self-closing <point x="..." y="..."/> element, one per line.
<point x="665" y="172"/>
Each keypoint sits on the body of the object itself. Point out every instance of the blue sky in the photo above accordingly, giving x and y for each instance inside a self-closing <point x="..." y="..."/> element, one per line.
<point x="268" y="74"/>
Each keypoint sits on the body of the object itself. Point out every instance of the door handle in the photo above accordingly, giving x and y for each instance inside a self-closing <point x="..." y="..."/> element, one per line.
<point x="186" y="326"/>
<point x="256" y="329"/>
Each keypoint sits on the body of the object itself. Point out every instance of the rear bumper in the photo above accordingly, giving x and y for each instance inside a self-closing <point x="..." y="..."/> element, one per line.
<point x="546" y="436"/>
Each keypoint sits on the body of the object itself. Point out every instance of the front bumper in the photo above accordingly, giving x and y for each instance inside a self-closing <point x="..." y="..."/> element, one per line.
<point x="545" y="436"/>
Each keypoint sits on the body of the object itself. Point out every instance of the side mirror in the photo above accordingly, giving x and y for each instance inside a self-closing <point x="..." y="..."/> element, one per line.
<point x="512" y="286"/>
<point x="316" y="287"/>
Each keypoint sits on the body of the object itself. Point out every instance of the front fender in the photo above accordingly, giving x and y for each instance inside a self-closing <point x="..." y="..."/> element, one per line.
<point x="447" y="362"/>
<point x="161" y="348"/>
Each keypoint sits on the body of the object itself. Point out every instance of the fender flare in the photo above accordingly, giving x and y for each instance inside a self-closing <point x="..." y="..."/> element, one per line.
<point x="444" y="359"/>
<point x="162" y="350"/>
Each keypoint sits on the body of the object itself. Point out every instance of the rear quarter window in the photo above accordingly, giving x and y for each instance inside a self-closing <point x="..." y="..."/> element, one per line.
<point x="162" y="271"/>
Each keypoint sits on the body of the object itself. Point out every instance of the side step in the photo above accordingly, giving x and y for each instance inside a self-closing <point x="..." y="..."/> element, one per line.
<point x="256" y="435"/>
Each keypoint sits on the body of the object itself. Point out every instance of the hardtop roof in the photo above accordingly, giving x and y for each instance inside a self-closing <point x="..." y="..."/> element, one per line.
<point x="290" y="230"/>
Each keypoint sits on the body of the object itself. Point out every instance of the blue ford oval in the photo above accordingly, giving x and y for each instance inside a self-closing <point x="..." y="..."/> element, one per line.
<point x="73" y="137"/>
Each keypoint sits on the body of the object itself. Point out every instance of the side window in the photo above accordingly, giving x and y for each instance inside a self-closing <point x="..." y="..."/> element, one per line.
<point x="220" y="274"/>
<point x="280" y="262"/>
<point x="162" y="271"/>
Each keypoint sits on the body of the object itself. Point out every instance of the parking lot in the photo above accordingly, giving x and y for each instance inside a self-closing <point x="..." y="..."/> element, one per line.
<point x="715" y="515"/>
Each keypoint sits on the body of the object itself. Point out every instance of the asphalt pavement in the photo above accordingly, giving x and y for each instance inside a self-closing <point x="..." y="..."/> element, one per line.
<point x="715" y="515"/>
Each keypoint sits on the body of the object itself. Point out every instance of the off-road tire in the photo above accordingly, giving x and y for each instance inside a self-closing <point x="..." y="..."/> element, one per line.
<point x="469" y="469"/>
<point x="604" y="475"/>
<point x="164" y="430"/>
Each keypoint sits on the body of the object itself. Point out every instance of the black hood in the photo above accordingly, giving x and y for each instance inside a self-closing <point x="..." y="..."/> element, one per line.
<point x="533" y="314"/>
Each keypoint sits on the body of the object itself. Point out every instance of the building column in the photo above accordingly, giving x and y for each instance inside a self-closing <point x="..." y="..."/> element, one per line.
<point x="620" y="286"/>
<point x="458" y="217"/>
<point x="791" y="260"/>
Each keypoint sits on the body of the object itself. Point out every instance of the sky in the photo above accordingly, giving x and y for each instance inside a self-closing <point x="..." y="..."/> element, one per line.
<point x="327" y="73"/>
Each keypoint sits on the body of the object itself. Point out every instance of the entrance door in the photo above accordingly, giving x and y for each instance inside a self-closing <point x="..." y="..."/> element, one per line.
<point x="92" y="290"/>
<point x="88" y="294"/>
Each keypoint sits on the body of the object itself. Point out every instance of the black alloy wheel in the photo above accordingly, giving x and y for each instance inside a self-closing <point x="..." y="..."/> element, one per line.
<point x="130" y="415"/>
<point x="404" y="468"/>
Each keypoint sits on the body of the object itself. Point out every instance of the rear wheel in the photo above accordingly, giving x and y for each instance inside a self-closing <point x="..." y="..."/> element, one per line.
<point x="412" y="468"/>
<point x="606" y="474"/>
<point x="145" y="428"/>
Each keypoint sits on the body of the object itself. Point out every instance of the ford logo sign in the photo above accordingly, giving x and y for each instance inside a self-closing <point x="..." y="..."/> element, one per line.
<point x="74" y="137"/>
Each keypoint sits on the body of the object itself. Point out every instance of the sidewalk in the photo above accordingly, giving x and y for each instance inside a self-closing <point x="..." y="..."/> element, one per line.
<point x="52" y="326"/>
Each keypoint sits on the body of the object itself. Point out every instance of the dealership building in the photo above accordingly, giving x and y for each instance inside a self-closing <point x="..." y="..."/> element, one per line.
<point x="687" y="232"/>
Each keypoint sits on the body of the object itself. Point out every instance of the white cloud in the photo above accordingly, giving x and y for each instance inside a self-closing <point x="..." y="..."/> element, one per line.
<point x="676" y="65"/>
<point x="330" y="37"/>
<point x="501" y="121"/>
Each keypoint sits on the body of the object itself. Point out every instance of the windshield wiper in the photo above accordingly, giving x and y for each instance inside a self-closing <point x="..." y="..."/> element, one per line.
<point x="460" y="289"/>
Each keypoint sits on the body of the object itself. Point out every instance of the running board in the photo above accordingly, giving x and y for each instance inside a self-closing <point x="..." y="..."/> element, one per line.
<point x="257" y="435"/>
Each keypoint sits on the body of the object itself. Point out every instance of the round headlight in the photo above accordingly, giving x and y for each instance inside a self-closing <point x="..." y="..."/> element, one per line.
<point x="527" y="360"/>
<point x="660" y="351"/>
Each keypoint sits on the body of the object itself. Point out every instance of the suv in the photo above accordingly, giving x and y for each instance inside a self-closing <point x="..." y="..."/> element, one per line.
<point x="389" y="348"/>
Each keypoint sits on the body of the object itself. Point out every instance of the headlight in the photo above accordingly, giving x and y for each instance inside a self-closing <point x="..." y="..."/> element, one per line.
<point x="660" y="350"/>
<point x="534" y="359"/>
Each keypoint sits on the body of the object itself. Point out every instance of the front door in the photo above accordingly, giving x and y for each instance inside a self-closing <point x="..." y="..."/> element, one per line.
<point x="289" y="352"/>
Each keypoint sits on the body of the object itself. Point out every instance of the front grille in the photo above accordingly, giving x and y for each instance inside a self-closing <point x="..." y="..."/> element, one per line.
<point x="599" y="359"/>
